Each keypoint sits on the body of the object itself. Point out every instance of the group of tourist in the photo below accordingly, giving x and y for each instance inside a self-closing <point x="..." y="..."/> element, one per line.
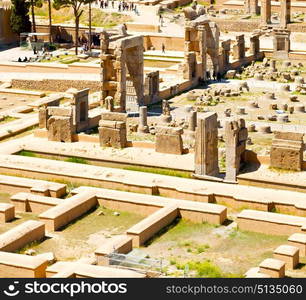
<point x="213" y="75"/>
<point x="122" y="5"/>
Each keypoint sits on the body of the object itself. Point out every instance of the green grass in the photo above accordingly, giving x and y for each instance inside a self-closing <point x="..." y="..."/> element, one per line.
<point x="159" y="171"/>
<point x="26" y="153"/>
<point x="77" y="160"/>
<point x="203" y="269"/>
<point x="279" y="170"/>
<point x="7" y="119"/>
<point x="182" y="230"/>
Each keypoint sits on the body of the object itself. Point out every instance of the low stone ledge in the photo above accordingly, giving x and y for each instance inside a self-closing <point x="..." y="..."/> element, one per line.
<point x="70" y="209"/>
<point x="7" y="212"/>
<point x="270" y="223"/>
<point x="28" y="202"/>
<point x="298" y="240"/>
<point x="119" y="244"/>
<point x="14" y="265"/>
<point x="145" y="229"/>
<point x="21" y="235"/>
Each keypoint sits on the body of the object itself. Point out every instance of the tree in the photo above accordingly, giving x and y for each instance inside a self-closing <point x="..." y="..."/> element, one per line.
<point x="20" y="20"/>
<point x="34" y="3"/>
<point x="77" y="7"/>
<point x="50" y="21"/>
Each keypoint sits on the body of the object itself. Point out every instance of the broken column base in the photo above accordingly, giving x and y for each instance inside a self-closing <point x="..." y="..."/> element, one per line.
<point x="208" y="177"/>
<point x="143" y="129"/>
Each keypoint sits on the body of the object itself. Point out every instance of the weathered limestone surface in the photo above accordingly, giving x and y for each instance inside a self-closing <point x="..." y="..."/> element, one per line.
<point x="29" y="202"/>
<point x="60" y="129"/>
<point x="288" y="254"/>
<point x="265" y="12"/>
<point x="119" y="244"/>
<point x="273" y="267"/>
<point x="71" y="208"/>
<point x="298" y="240"/>
<point x="14" y="265"/>
<point x="18" y="184"/>
<point x="287" y="151"/>
<point x="285" y="15"/>
<point x="81" y="270"/>
<point x="145" y="229"/>
<point x="270" y="223"/>
<point x="7" y="212"/>
<point x="112" y="130"/>
<point x="122" y="70"/>
<point x="206" y="146"/>
<point x="239" y="47"/>
<point x="169" y="140"/>
<point x="22" y="235"/>
<point x="143" y="123"/>
<point x="236" y="135"/>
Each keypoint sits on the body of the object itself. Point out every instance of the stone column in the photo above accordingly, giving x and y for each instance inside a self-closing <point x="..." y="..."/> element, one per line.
<point x="254" y="45"/>
<point x="285" y="13"/>
<point x="143" y="125"/>
<point x="251" y="7"/>
<point x="236" y="135"/>
<point x="203" y="51"/>
<point x="281" y="43"/>
<point x="265" y="12"/>
<point x="206" y="146"/>
<point x="239" y="47"/>
<point x="192" y="121"/>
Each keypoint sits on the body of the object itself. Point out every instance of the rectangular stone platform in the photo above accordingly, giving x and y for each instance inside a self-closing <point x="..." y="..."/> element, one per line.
<point x="288" y="254"/>
<point x="148" y="227"/>
<point x="148" y="204"/>
<point x="70" y="209"/>
<point x="119" y="244"/>
<point x="28" y="202"/>
<point x="81" y="270"/>
<point x="21" y="235"/>
<point x="270" y="223"/>
<point x="7" y="212"/>
<point x="18" y="184"/>
<point x="273" y="267"/>
<point x="298" y="240"/>
<point x="14" y="265"/>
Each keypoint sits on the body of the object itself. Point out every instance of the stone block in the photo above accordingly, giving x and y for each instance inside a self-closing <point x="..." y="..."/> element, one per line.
<point x="7" y="212"/>
<point x="298" y="240"/>
<point x="169" y="143"/>
<point x="287" y="151"/>
<point x="288" y="254"/>
<point x="114" y="116"/>
<point x="112" y="137"/>
<point x="273" y="267"/>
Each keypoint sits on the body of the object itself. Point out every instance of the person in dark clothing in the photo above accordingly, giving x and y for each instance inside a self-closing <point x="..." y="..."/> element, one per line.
<point x="219" y="77"/>
<point x="208" y="75"/>
<point x="163" y="48"/>
<point x="214" y="76"/>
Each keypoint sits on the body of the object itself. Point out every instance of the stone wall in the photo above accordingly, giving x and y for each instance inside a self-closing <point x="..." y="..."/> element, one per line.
<point x="55" y="84"/>
<point x="251" y="25"/>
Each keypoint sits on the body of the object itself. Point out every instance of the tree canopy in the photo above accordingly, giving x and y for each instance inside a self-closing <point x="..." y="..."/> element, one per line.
<point x="20" y="21"/>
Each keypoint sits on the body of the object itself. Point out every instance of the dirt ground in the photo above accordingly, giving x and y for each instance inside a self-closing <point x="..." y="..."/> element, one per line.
<point x="228" y="249"/>
<point x="84" y="235"/>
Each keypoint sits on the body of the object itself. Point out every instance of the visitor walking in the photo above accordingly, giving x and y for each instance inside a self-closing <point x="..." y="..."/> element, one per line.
<point x="163" y="48"/>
